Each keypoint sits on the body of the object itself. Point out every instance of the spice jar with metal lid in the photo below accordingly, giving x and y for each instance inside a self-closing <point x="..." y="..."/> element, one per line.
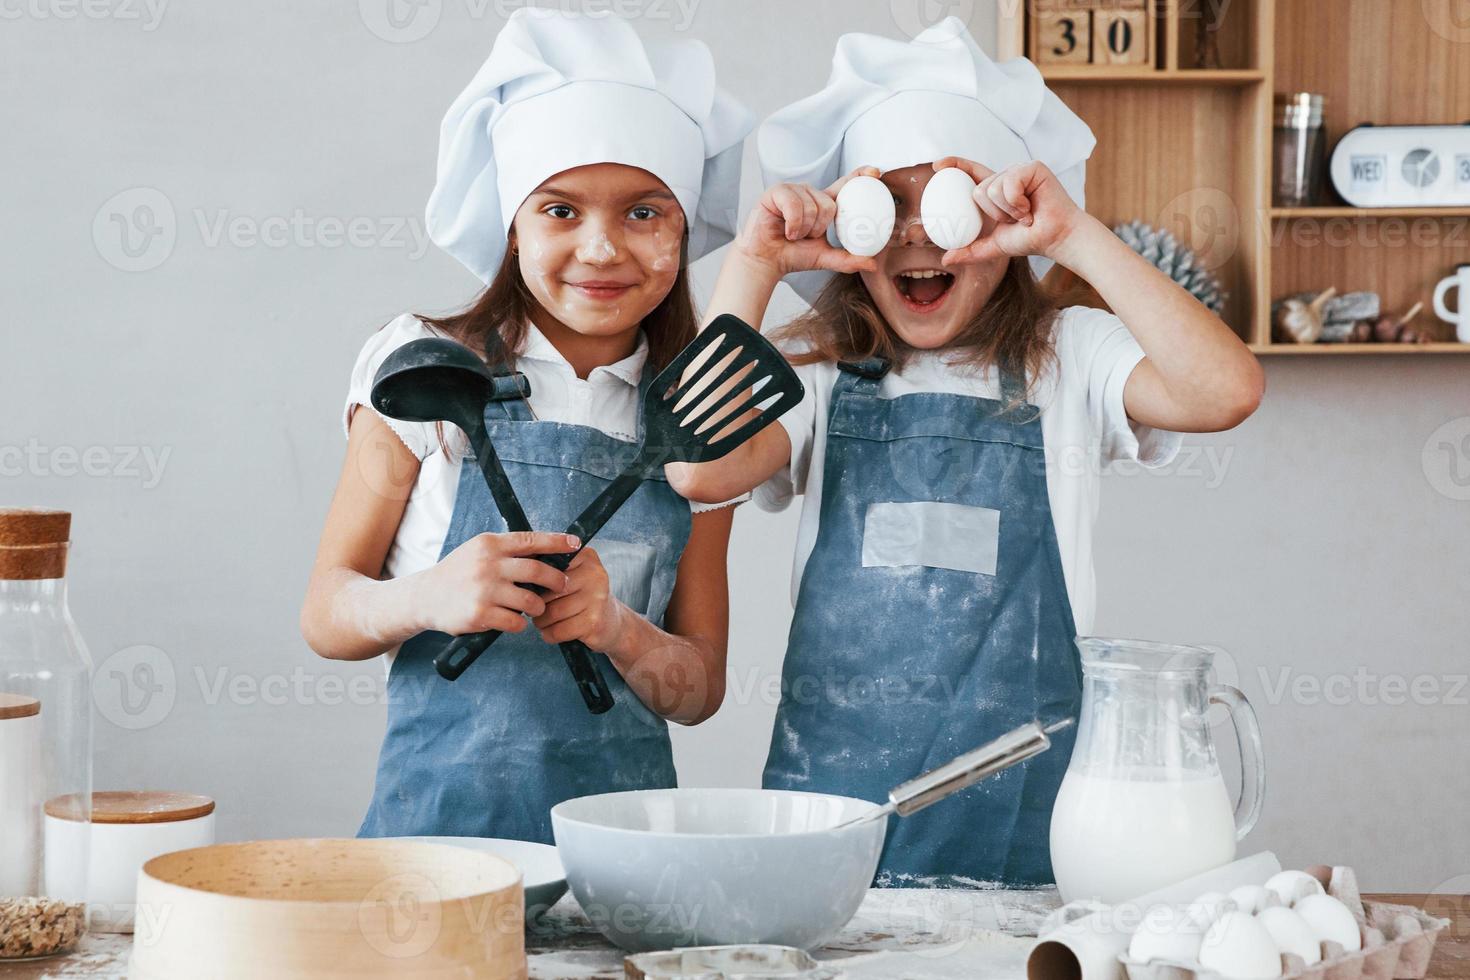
<point x="45" y="736"/>
<point x="1299" y="145"/>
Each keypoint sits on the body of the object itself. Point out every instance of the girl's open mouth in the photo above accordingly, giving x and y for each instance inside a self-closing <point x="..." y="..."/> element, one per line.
<point x="923" y="290"/>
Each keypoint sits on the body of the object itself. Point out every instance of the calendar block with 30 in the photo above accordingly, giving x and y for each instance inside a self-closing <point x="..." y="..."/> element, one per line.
<point x="1092" y="32"/>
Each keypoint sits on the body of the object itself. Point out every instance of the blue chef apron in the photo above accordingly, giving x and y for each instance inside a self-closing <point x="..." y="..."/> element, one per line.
<point x="491" y="753"/>
<point x="931" y="618"/>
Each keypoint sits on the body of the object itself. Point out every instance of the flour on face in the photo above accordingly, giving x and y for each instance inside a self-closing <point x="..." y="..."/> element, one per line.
<point x="600" y="249"/>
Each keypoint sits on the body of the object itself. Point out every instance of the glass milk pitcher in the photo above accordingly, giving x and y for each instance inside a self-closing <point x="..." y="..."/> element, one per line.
<point x="1143" y="804"/>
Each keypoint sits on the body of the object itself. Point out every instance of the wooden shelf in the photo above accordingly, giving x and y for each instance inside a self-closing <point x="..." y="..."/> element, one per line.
<point x="1190" y="150"/>
<point x="1146" y="76"/>
<point x="1370" y="213"/>
<point x="1315" y="349"/>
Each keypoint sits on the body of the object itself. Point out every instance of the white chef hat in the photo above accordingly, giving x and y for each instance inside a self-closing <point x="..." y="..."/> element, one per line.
<point x="563" y="90"/>
<point x="892" y="104"/>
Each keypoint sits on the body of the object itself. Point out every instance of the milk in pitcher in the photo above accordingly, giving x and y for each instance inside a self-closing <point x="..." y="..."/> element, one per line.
<point x="1143" y="805"/>
<point x="1119" y="834"/>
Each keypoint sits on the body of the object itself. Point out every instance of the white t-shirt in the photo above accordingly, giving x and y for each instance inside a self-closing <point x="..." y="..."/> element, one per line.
<point x="1083" y="424"/>
<point x="606" y="400"/>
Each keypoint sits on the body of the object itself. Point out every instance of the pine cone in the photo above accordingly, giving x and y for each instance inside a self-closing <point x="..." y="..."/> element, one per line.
<point x="1163" y="250"/>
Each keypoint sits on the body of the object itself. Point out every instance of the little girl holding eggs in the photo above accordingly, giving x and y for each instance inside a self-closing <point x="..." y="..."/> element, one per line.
<point x="953" y="429"/>
<point x="578" y="173"/>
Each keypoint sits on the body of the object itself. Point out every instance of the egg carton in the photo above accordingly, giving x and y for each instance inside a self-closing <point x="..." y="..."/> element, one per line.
<point x="1398" y="941"/>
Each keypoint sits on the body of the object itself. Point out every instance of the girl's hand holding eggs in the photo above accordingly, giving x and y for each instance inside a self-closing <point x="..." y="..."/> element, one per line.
<point x="1026" y="211"/>
<point x="787" y="229"/>
<point x="967" y="209"/>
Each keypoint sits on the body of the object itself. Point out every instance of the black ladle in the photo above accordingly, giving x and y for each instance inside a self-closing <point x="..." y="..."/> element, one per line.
<point x="438" y="380"/>
<point x="723" y="388"/>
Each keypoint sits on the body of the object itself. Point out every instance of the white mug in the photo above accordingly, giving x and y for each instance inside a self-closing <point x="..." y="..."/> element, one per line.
<point x="1461" y="317"/>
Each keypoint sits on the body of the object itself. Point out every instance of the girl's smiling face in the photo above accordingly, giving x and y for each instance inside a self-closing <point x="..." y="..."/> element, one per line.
<point x="599" y="248"/>
<point x="924" y="302"/>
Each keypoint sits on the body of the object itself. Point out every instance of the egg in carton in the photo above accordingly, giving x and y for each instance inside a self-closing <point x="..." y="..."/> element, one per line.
<point x="1395" y="941"/>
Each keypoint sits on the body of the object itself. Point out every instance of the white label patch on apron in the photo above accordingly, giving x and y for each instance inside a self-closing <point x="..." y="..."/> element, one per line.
<point x="954" y="536"/>
<point x="629" y="571"/>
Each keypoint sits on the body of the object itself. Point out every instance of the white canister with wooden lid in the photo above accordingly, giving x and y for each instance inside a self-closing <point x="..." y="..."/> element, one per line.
<point x="20" y="801"/>
<point x="128" y="829"/>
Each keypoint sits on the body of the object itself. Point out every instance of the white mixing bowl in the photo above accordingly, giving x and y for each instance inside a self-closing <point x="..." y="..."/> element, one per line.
<point x="658" y="869"/>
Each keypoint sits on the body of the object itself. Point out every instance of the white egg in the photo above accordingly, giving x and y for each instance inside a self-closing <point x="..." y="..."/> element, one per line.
<point x="865" y="216"/>
<point x="1292" y="885"/>
<point x="1292" y="934"/>
<point x="1252" y="898"/>
<point x="1330" y="920"/>
<point x="1210" y="906"/>
<point x="1166" y="933"/>
<point x="948" y="209"/>
<point x="1238" y="947"/>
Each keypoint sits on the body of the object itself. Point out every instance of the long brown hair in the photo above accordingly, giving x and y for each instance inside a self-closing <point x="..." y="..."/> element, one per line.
<point x="1012" y="331"/>
<point x="506" y="304"/>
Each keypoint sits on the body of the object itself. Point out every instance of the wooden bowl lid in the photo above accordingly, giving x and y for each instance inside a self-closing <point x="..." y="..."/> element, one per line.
<point x="18" y="706"/>
<point x="33" y="543"/>
<point x="133" y="806"/>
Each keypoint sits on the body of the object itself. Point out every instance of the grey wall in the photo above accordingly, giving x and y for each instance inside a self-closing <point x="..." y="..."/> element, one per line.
<point x="1327" y="537"/>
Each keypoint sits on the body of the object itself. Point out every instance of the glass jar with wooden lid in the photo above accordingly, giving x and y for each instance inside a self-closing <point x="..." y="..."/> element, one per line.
<point x="45" y="735"/>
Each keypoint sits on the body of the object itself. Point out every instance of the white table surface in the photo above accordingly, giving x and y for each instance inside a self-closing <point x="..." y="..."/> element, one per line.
<point x="917" y="934"/>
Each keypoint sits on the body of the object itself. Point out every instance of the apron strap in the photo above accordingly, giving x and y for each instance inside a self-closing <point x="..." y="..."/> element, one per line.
<point x="869" y="368"/>
<point x="1014" y="407"/>
<point x="511" y="388"/>
<point x="644" y="383"/>
<point x="862" y="377"/>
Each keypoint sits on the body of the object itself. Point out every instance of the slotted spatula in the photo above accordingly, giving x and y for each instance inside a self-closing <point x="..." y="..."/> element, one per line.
<point x="726" y="386"/>
<point x="438" y="380"/>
